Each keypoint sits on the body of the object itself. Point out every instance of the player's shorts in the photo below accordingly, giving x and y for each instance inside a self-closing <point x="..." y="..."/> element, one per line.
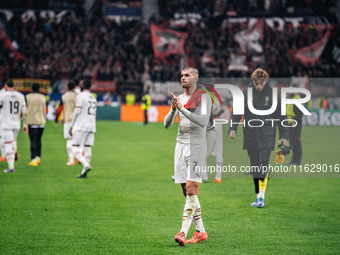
<point x="215" y="143"/>
<point x="190" y="162"/>
<point x="67" y="127"/>
<point x="83" y="138"/>
<point x="9" y="135"/>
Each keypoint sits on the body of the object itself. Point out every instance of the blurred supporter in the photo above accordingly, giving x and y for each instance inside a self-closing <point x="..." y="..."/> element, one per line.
<point x="98" y="48"/>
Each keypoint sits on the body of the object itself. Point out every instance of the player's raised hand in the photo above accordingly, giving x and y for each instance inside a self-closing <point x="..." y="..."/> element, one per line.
<point x="173" y="101"/>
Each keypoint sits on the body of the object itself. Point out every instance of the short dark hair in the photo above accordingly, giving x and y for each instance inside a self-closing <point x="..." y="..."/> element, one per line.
<point x="9" y="83"/>
<point x="71" y="85"/>
<point x="35" y="87"/>
<point x="76" y="81"/>
<point x="87" y="84"/>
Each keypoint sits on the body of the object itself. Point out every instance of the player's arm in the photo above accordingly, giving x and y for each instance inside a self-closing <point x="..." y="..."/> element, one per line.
<point x="24" y="116"/>
<point x="76" y="113"/>
<point x="170" y="118"/>
<point x="236" y="119"/>
<point x="199" y="119"/>
<point x="60" y="108"/>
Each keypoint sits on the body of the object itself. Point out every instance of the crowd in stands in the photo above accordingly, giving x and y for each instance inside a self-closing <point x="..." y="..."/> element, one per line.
<point x="105" y="50"/>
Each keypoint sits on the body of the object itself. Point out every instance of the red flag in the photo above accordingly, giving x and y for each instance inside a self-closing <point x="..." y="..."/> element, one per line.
<point x="310" y="55"/>
<point x="8" y="38"/>
<point x="250" y="40"/>
<point x="167" y="41"/>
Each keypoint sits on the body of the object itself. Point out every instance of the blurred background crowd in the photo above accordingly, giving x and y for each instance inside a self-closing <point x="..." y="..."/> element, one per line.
<point x="94" y="46"/>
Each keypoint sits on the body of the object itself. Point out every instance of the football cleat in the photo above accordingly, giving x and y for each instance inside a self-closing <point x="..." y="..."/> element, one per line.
<point x="255" y="203"/>
<point x="70" y="163"/>
<point x="260" y="203"/>
<point x="2" y="158"/>
<point x="37" y="160"/>
<point x="86" y="170"/>
<point x="9" y="170"/>
<point x="198" y="237"/>
<point x="180" y="238"/>
<point x="218" y="180"/>
<point x="205" y="180"/>
<point x="33" y="163"/>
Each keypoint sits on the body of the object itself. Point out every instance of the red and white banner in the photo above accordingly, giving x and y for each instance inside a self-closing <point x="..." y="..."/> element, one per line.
<point x="250" y="40"/>
<point x="310" y="55"/>
<point x="166" y="41"/>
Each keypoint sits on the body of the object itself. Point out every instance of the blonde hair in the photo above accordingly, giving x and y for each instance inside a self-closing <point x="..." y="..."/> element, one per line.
<point x="259" y="74"/>
<point x="193" y="70"/>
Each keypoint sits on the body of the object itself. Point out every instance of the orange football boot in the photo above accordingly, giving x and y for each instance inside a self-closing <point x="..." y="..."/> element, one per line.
<point x="198" y="237"/>
<point x="180" y="238"/>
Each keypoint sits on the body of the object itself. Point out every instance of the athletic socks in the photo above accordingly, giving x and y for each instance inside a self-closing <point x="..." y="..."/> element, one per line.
<point x="10" y="155"/>
<point x="189" y="209"/>
<point x="88" y="154"/>
<point x="263" y="186"/>
<point x="218" y="170"/>
<point x="78" y="153"/>
<point x="261" y="194"/>
<point x="69" y="150"/>
<point x="198" y="218"/>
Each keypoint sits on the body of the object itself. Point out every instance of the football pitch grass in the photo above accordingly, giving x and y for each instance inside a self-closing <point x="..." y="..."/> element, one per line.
<point x="129" y="204"/>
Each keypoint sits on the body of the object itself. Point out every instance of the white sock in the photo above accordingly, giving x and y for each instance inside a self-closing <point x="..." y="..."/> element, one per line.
<point x="88" y="154"/>
<point x="3" y="151"/>
<point x="189" y="208"/>
<point x="198" y="218"/>
<point x="258" y="195"/>
<point x="78" y="153"/>
<point x="15" y="146"/>
<point x="10" y="155"/>
<point x="261" y="194"/>
<point x="69" y="150"/>
<point x="218" y="171"/>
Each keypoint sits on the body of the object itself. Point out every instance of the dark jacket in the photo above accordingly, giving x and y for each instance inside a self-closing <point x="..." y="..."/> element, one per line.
<point x="264" y="136"/>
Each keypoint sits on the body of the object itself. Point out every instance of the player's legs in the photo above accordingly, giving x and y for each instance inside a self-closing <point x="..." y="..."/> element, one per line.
<point x="39" y="135"/>
<point x="218" y="152"/>
<point x="69" y="151"/>
<point x="68" y="138"/>
<point x="211" y="138"/>
<point x="78" y="139"/>
<point x="8" y="136"/>
<point x="33" y="134"/>
<point x="295" y="142"/>
<point x="86" y="138"/>
<point x="192" y="208"/>
<point x="259" y="160"/>
<point x="2" y="147"/>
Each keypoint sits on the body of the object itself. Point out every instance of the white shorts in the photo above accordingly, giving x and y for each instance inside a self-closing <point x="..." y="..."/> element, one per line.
<point x="66" y="130"/>
<point x="215" y="143"/>
<point x="9" y="135"/>
<point x="83" y="138"/>
<point x="189" y="162"/>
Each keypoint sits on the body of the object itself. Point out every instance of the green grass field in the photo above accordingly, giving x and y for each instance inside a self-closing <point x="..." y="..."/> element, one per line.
<point x="129" y="205"/>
